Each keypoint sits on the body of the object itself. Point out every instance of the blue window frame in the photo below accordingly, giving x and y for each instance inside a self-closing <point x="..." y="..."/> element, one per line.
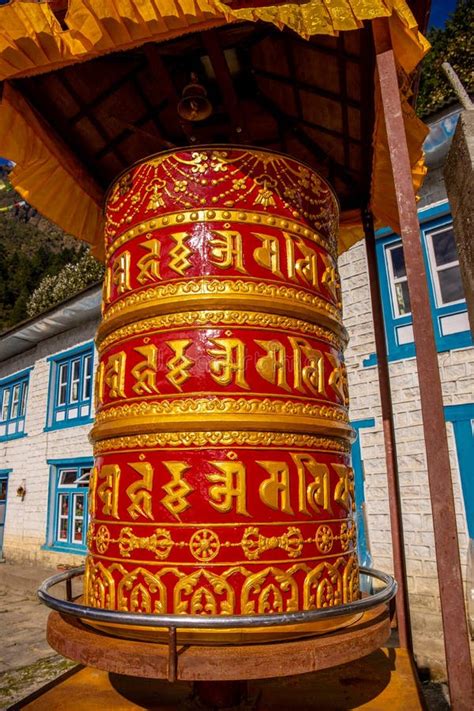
<point x="68" y="504"/>
<point x="13" y="399"/>
<point x="462" y="419"/>
<point x="448" y="305"/>
<point x="363" y="549"/>
<point x="4" y="473"/>
<point x="70" y="388"/>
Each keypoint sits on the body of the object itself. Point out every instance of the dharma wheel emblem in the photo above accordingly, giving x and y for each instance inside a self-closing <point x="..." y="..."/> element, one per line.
<point x="324" y="539"/>
<point x="204" y="545"/>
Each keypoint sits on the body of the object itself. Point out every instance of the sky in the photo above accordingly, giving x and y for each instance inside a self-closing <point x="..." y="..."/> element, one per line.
<point x="440" y="9"/>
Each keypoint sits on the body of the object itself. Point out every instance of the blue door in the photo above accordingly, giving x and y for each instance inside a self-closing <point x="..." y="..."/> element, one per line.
<point x="3" y="506"/>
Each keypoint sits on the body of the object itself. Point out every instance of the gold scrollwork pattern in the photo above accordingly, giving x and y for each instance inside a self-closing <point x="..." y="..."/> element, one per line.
<point x="204" y="592"/>
<point x="222" y="406"/>
<point x="222" y="438"/>
<point x="250" y="319"/>
<point x="266" y="294"/>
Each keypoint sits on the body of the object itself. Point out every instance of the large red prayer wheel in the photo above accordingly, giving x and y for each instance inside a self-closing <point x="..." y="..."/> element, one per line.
<point x="222" y="481"/>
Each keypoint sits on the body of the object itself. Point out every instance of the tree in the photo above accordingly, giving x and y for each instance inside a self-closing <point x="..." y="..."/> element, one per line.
<point x="72" y="279"/>
<point x="454" y="44"/>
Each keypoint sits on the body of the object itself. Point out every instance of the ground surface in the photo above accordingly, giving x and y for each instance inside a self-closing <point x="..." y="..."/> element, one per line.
<point x="26" y="660"/>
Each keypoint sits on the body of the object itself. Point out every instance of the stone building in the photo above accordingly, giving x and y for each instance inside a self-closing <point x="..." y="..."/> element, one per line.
<point x="46" y="368"/>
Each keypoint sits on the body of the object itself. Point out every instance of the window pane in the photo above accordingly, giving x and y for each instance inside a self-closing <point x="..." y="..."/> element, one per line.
<point x="63" y="528"/>
<point x="444" y="247"/>
<point x="78" y="518"/>
<point x="63" y="518"/>
<point x="87" y="377"/>
<point x="15" y="401"/>
<point x="68" y="477"/>
<point x="62" y="389"/>
<point x="84" y="477"/>
<point x="403" y="298"/>
<point x="24" y="395"/>
<point x="398" y="262"/>
<point x="5" y="403"/>
<point x="450" y="284"/>
<point x="75" y="377"/>
<point x="78" y="530"/>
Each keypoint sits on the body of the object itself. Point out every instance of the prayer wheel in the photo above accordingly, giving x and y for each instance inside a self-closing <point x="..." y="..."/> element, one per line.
<point x="222" y="481"/>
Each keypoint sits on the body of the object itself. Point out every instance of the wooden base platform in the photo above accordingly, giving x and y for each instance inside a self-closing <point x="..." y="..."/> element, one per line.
<point x="73" y="639"/>
<point x="386" y="679"/>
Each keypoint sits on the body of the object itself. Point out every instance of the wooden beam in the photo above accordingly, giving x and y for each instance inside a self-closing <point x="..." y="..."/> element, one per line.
<point x="311" y="88"/>
<point x="153" y="111"/>
<point x="367" y="114"/>
<point x="225" y="82"/>
<point x="164" y="80"/>
<point x="36" y="94"/>
<point x="320" y="154"/>
<point x="92" y="118"/>
<point x="324" y="49"/>
<point x="84" y="112"/>
<point x="451" y="589"/>
<point x="341" y="66"/>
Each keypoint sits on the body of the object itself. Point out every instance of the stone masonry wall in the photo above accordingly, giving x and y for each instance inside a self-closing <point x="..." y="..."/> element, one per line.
<point x="457" y="371"/>
<point x="25" y="529"/>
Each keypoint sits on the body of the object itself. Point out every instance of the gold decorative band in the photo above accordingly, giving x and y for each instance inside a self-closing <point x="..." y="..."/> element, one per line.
<point x="225" y="294"/>
<point x="221" y="438"/>
<point x="207" y="214"/>
<point x="205" y="543"/>
<point x="249" y="319"/>
<point x="225" y="412"/>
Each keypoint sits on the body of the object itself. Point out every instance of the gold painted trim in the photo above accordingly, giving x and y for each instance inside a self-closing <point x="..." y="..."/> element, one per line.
<point x="174" y="440"/>
<point x="195" y="320"/>
<point x="210" y="214"/>
<point x="154" y="524"/>
<point x="214" y="293"/>
<point x="214" y="564"/>
<point x="169" y="417"/>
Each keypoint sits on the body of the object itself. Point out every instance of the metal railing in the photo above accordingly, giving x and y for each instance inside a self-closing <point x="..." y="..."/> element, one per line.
<point x="210" y="622"/>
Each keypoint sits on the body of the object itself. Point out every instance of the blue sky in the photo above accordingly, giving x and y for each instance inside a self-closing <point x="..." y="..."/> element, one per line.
<point x="440" y="9"/>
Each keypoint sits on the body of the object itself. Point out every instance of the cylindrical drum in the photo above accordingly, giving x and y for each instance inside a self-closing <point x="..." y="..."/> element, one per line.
<point x="222" y="482"/>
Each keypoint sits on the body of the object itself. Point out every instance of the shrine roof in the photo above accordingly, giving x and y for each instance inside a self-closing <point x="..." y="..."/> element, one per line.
<point x="90" y="88"/>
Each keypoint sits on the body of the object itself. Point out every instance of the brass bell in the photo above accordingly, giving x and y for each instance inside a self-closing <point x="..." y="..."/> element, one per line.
<point x="194" y="104"/>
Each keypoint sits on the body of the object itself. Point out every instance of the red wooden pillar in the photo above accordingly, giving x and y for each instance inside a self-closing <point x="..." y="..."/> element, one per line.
<point x="453" y="611"/>
<point x="396" y="523"/>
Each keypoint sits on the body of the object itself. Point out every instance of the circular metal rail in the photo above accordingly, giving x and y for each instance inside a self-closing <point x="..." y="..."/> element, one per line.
<point x="185" y="621"/>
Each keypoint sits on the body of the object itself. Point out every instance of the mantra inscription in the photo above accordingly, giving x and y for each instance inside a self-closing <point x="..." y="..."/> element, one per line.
<point x="222" y="480"/>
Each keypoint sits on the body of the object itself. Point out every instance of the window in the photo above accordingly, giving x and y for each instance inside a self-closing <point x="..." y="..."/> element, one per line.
<point x="398" y="281"/>
<point x="444" y="266"/>
<point x="357" y="460"/>
<point x="70" y="393"/>
<point x="13" y="398"/>
<point x="68" y="504"/>
<point x="449" y="311"/>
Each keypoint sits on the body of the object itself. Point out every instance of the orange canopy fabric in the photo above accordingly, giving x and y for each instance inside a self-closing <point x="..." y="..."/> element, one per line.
<point x="32" y="41"/>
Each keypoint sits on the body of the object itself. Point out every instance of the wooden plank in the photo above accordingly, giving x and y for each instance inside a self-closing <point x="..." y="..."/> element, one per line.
<point x="225" y="82"/>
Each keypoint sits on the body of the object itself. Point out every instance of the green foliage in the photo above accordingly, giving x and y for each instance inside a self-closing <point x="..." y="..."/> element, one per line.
<point x="29" y="252"/>
<point x="72" y="279"/>
<point x="454" y="44"/>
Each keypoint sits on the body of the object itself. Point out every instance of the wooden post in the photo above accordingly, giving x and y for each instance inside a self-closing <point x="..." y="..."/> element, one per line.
<point x="396" y="523"/>
<point x="456" y="639"/>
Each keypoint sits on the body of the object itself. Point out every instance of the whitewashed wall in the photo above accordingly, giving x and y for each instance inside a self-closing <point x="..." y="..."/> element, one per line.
<point x="25" y="529"/>
<point x="457" y="377"/>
